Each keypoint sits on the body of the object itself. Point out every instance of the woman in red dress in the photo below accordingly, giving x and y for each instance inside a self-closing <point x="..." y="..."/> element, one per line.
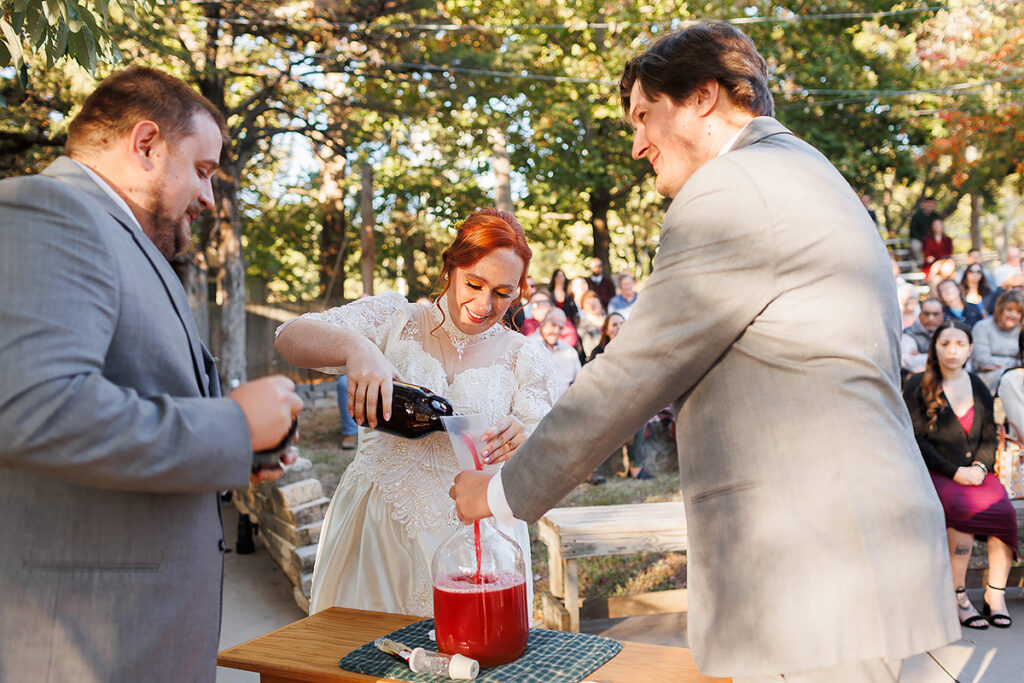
<point x="952" y="412"/>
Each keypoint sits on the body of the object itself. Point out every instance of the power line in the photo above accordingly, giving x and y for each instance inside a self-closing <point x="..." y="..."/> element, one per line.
<point x="951" y="89"/>
<point x="565" y="26"/>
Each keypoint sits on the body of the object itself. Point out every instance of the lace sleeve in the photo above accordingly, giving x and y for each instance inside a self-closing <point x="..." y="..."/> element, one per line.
<point x="374" y="317"/>
<point x="535" y="388"/>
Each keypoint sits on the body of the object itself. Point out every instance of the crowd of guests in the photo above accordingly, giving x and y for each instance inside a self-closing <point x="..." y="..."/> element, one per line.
<point x="963" y="347"/>
<point x="576" y="319"/>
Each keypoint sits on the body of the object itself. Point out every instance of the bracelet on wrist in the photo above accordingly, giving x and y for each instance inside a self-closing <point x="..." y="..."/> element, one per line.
<point x="980" y="465"/>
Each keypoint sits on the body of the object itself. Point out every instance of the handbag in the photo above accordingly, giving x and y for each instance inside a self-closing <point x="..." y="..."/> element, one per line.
<point x="1010" y="464"/>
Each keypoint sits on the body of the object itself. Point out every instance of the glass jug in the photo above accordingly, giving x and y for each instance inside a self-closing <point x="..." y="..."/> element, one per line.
<point x="480" y="608"/>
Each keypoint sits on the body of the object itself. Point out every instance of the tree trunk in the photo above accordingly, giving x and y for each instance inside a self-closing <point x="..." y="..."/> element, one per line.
<point x="233" y="369"/>
<point x="333" y="232"/>
<point x="1008" y="226"/>
<point x="502" y="167"/>
<point x="976" y="220"/>
<point x="600" y="202"/>
<point x="367" y="260"/>
<point x="191" y="270"/>
<point x="226" y="231"/>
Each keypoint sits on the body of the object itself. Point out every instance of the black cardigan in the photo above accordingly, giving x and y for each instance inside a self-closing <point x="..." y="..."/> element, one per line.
<point x="946" y="447"/>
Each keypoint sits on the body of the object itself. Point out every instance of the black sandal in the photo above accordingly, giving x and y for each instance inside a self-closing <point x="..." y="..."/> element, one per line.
<point x="997" y="619"/>
<point x="975" y="621"/>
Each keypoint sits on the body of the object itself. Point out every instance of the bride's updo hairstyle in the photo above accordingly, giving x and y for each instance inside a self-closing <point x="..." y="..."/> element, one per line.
<point x="483" y="232"/>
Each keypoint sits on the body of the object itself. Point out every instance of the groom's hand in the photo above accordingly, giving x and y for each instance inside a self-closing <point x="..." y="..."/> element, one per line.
<point x="470" y="494"/>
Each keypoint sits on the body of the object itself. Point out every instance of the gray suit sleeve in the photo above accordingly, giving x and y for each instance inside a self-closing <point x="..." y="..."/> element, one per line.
<point x="713" y="274"/>
<point x="60" y="414"/>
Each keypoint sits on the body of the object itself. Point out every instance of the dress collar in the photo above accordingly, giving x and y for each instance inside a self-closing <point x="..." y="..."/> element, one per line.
<point x="458" y="338"/>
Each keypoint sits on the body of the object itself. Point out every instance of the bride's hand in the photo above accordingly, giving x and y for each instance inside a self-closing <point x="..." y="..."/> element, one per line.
<point x="503" y="439"/>
<point x="369" y="381"/>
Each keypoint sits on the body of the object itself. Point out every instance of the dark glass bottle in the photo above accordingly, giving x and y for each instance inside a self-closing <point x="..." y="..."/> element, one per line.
<point x="415" y="411"/>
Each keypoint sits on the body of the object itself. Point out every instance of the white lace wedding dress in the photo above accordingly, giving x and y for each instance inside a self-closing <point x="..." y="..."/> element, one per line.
<point x="391" y="509"/>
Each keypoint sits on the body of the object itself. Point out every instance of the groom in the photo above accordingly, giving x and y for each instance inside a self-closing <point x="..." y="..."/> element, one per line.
<point x="817" y="543"/>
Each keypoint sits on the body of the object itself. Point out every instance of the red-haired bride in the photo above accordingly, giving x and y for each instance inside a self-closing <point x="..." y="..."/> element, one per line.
<point x="391" y="509"/>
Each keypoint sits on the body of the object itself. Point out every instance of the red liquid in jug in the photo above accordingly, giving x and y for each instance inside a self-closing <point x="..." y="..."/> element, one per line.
<point x="486" y="621"/>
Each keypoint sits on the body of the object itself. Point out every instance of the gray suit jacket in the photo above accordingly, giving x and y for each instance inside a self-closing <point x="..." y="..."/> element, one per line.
<point x="113" y="445"/>
<point x="771" y="323"/>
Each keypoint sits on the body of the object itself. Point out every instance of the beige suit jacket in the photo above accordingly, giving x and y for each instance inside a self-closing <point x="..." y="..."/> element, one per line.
<point x="771" y="323"/>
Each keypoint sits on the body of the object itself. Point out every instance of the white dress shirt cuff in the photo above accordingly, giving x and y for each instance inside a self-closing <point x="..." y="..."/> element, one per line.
<point x="497" y="502"/>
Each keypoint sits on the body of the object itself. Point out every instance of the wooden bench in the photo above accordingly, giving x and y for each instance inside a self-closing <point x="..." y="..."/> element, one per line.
<point x="572" y="533"/>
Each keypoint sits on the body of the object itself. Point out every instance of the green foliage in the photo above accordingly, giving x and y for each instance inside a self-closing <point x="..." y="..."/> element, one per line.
<point x="878" y="90"/>
<point x="59" y="29"/>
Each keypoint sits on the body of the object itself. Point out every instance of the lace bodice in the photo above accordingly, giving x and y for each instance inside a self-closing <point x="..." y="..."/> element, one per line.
<point x="497" y="372"/>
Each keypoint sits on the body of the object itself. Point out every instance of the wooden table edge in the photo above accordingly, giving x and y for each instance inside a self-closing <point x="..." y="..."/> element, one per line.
<point x="240" y="656"/>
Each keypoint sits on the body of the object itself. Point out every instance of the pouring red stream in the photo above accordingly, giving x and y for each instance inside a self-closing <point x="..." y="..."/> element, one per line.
<point x="476" y="525"/>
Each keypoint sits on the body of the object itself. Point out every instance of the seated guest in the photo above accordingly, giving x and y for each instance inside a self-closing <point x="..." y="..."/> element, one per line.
<point x="995" y="340"/>
<point x="561" y="297"/>
<point x="1011" y="267"/>
<point x="539" y="306"/>
<point x="609" y="328"/>
<point x="518" y="312"/>
<point x="974" y="256"/>
<point x="916" y="338"/>
<point x="941" y="270"/>
<point x="632" y="465"/>
<point x="937" y="245"/>
<point x="563" y="356"/>
<point x="906" y="293"/>
<point x="591" y="319"/>
<point x="951" y="411"/>
<point x="1012" y="283"/>
<point x="622" y="302"/>
<point x="565" y="359"/>
<point x="953" y="305"/>
<point x="578" y="286"/>
<point x="974" y="286"/>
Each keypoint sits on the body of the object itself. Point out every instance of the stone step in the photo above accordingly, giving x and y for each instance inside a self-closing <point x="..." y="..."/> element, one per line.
<point x="295" y="494"/>
<point x="305" y="534"/>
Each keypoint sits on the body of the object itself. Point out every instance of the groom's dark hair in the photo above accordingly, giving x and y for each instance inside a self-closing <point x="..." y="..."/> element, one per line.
<point x="679" y="63"/>
<point x="135" y="94"/>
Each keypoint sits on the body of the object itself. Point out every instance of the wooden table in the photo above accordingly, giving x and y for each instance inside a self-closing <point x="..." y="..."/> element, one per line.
<point x="309" y="650"/>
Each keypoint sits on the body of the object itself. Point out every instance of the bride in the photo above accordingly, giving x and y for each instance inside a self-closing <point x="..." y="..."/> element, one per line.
<point x="391" y="509"/>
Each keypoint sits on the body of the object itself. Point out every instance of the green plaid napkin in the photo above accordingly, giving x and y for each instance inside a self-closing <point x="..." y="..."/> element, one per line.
<point x="550" y="657"/>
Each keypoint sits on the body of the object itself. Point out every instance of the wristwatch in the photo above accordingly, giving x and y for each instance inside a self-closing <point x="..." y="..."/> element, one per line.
<point x="271" y="457"/>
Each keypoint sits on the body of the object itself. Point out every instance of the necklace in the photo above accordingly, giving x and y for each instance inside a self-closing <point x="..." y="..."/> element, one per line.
<point x="457" y="337"/>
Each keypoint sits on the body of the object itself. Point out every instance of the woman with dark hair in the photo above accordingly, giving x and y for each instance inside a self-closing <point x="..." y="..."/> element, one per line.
<point x="562" y="297"/>
<point x="952" y="413"/>
<point x="953" y="305"/>
<point x="631" y="466"/>
<point x="609" y="328"/>
<point x="973" y="285"/>
<point x="391" y="509"/>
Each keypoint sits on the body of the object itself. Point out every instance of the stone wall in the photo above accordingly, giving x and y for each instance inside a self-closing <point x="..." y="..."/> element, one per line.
<point x="288" y="515"/>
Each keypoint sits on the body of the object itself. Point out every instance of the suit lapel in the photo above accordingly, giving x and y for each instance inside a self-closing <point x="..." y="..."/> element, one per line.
<point x="66" y="170"/>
